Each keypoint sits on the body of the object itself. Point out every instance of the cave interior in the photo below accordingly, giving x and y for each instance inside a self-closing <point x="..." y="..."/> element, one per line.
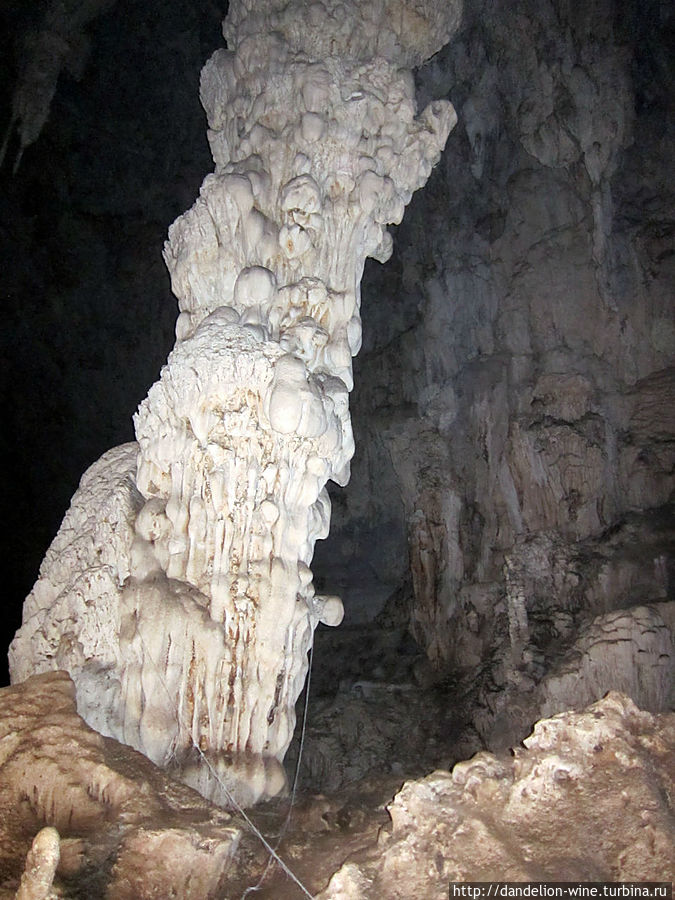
<point x="504" y="549"/>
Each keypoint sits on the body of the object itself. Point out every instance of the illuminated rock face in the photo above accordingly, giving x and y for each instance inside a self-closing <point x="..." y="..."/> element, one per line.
<point x="178" y="592"/>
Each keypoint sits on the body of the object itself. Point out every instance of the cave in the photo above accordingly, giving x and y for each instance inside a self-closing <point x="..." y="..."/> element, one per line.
<point x="504" y="547"/>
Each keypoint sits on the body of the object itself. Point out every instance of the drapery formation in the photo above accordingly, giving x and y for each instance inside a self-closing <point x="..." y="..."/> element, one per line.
<point x="178" y="592"/>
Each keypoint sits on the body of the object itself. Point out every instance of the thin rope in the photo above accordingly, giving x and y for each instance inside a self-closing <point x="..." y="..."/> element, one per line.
<point x="273" y="854"/>
<point x="296" y="779"/>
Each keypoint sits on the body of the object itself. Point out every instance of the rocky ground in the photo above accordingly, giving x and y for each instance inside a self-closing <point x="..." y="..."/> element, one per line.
<point x="124" y="829"/>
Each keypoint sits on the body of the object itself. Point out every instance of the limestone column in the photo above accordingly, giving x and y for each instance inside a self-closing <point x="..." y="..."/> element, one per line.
<point x="178" y="593"/>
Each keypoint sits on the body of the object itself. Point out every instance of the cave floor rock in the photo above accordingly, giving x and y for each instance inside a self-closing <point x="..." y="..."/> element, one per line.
<point x="588" y="796"/>
<point x="127" y="830"/>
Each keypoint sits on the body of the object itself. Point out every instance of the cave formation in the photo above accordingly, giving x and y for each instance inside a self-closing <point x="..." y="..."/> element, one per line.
<point x="177" y="593"/>
<point x="504" y="549"/>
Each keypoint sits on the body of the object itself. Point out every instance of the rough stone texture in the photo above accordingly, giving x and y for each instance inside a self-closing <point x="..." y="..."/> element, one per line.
<point x="208" y="525"/>
<point x="118" y="827"/>
<point x="357" y="734"/>
<point x="631" y="650"/>
<point x="355" y="722"/>
<point x="108" y="821"/>
<point x="514" y="409"/>
<point x="606" y="773"/>
<point x="513" y="403"/>
<point x="41" y="863"/>
<point x="603" y="657"/>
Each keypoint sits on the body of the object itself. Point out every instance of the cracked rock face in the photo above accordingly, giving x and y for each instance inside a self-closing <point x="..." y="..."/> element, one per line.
<point x="178" y="593"/>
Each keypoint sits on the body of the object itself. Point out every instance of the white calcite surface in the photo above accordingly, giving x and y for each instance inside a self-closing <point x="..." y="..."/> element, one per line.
<point x="178" y="593"/>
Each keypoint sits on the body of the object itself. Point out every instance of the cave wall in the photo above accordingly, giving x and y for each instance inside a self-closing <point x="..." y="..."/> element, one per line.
<point x="513" y="407"/>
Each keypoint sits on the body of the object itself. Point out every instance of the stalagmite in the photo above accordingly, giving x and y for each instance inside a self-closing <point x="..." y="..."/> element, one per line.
<point x="41" y="863"/>
<point x="178" y="592"/>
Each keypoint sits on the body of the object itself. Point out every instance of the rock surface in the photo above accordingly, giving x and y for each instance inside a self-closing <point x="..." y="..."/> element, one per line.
<point x="606" y="773"/>
<point x="113" y="825"/>
<point x="513" y="411"/>
<point x="511" y="500"/>
<point x="107" y="821"/>
<point x="42" y="861"/>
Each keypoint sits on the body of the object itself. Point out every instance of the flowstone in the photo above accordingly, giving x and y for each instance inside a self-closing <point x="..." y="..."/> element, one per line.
<point x="178" y="593"/>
